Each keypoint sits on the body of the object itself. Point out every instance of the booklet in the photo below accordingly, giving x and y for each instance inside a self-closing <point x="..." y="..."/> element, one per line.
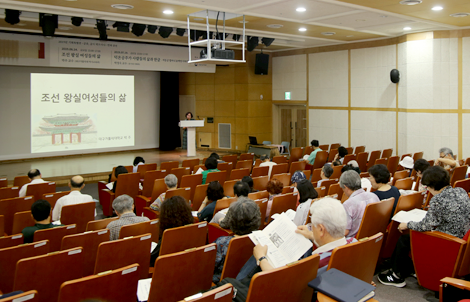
<point x="284" y="244"/>
<point x="407" y="216"/>
<point x="290" y="213"/>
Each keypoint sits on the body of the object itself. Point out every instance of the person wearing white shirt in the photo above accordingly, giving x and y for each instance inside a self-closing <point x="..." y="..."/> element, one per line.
<point x="139" y="160"/>
<point x="265" y="162"/>
<point x="76" y="184"/>
<point x="35" y="177"/>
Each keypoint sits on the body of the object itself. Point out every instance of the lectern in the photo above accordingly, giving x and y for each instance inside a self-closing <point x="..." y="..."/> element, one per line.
<point x="191" y="134"/>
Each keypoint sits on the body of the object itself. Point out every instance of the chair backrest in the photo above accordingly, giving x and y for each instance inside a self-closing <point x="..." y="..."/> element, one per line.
<point x="282" y="203"/>
<point x="39" y="272"/>
<point x="122" y="252"/>
<point x="258" y="195"/>
<point x="53" y="197"/>
<point x="10" y="206"/>
<point x="230" y="158"/>
<point x="99" y="224"/>
<point x="464" y="184"/>
<point x="128" y="184"/>
<point x="409" y="202"/>
<point x="244" y="164"/>
<point x="219" y="176"/>
<point x="458" y="174"/>
<point x="142" y="169"/>
<point x="222" y="293"/>
<point x="239" y="173"/>
<point x="149" y="181"/>
<point x="292" y="279"/>
<point x="30" y="296"/>
<point x="328" y="182"/>
<point x="79" y="214"/>
<point x="159" y="187"/>
<point x="279" y="169"/>
<point x="117" y="285"/>
<point x="260" y="171"/>
<point x="214" y="231"/>
<point x="38" y="190"/>
<point x="226" y="167"/>
<point x="335" y="146"/>
<point x="11" y="255"/>
<point x="191" y="181"/>
<point x="376" y="218"/>
<point x="197" y="167"/>
<point x="182" y="238"/>
<point x="12" y="240"/>
<point x="332" y="154"/>
<point x="374" y="155"/>
<point x="224" y="203"/>
<point x="20" y="181"/>
<point x="350" y="150"/>
<point x="405" y="155"/>
<point x="400" y="175"/>
<point x="386" y="153"/>
<point x="260" y="183"/>
<point x="393" y="164"/>
<point x="417" y="155"/>
<point x="348" y="158"/>
<point x="280" y="159"/>
<point x="140" y="228"/>
<point x="381" y="161"/>
<point x="297" y="166"/>
<point x="247" y="156"/>
<point x="335" y="189"/>
<point x="89" y="242"/>
<point x="183" y="192"/>
<point x="307" y="173"/>
<point x="365" y="254"/>
<point x="404" y="183"/>
<point x="316" y="174"/>
<point x="190" y="163"/>
<point x="128" y="168"/>
<point x="240" y="249"/>
<point x="199" y="195"/>
<point x="336" y="172"/>
<point x="9" y="192"/>
<point x="22" y="220"/>
<point x="308" y="150"/>
<point x="321" y="191"/>
<point x="55" y="235"/>
<point x="359" y="149"/>
<point x="169" y="165"/>
<point x="362" y="160"/>
<point x="228" y="187"/>
<point x="287" y="189"/>
<point x="296" y="153"/>
<point x="170" y="270"/>
<point x="180" y="172"/>
<point x="263" y="207"/>
<point x="284" y="178"/>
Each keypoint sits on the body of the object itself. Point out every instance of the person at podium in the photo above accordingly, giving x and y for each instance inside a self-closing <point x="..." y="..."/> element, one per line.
<point x="189" y="116"/>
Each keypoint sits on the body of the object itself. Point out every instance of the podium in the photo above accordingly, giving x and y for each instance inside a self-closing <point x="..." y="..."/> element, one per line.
<point x="191" y="134"/>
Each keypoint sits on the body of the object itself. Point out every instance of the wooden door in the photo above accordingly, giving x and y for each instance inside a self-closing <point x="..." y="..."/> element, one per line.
<point x="294" y="125"/>
<point x="286" y="125"/>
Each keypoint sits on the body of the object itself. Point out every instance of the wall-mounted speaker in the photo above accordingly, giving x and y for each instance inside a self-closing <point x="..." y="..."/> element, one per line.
<point x="395" y="76"/>
<point x="261" y="64"/>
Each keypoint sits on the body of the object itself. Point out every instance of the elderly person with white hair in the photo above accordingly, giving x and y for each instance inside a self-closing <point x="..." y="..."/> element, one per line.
<point x="446" y="159"/>
<point x="358" y="199"/>
<point x="171" y="182"/>
<point x="124" y="207"/>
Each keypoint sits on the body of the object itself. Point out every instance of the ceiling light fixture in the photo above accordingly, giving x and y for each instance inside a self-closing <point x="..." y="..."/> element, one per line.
<point x="437" y="8"/>
<point x="122" y="6"/>
<point x="168" y="12"/>
<point x="301" y="9"/>
<point x="328" y="33"/>
<point x="407" y="28"/>
<point x="460" y="15"/>
<point x="410" y="2"/>
<point x="64" y="28"/>
<point x="275" y="25"/>
<point x="302" y="29"/>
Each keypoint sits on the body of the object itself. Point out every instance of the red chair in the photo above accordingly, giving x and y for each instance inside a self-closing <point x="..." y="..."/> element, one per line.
<point x="12" y="240"/>
<point x="239" y="173"/>
<point x="20" y="181"/>
<point x="219" y="176"/>
<point x="142" y="201"/>
<point x="282" y="203"/>
<point x="328" y="182"/>
<point x="279" y="169"/>
<point x="284" y="178"/>
<point x="30" y="296"/>
<point x="362" y="160"/>
<point x="459" y="173"/>
<point x="214" y="231"/>
<point x="226" y="167"/>
<point x="296" y="154"/>
<point x="381" y="161"/>
<point x="190" y="163"/>
<point x="417" y="155"/>
<point x="79" y="214"/>
<point x="260" y="183"/>
<point x="129" y="169"/>
<point x="259" y="195"/>
<point x="464" y="184"/>
<point x="324" y="147"/>
<point x="180" y="172"/>
<point x="281" y="159"/>
<point x="169" y="165"/>
<point x="199" y="195"/>
<point x="335" y="189"/>
<point x="126" y="184"/>
<point x="297" y="166"/>
<point x="349" y="158"/>
<point x="224" y="203"/>
<point x="244" y="164"/>
<point x="374" y="155"/>
<point x="10" y="206"/>
<point x="55" y="235"/>
<point x="387" y="153"/>
<point x="191" y="181"/>
<point x="53" y="197"/>
<point x="392" y="164"/>
<point x="247" y="156"/>
<point x="359" y="149"/>
<point x="332" y="154"/>
<point x="183" y="192"/>
<point x="240" y="249"/>
<point x="287" y="189"/>
<point x="316" y="174"/>
<point x="9" y="192"/>
<point x="336" y="172"/>
<point x="399" y="175"/>
<point x="321" y="191"/>
<point x="335" y="146"/>
<point x="142" y="169"/>
<point x="149" y="181"/>
<point x="260" y="171"/>
<point x="182" y="238"/>
<point x="38" y="190"/>
<point x="22" y="220"/>
<point x="404" y="183"/>
<point x="3" y="182"/>
<point x="228" y="187"/>
<point x="230" y="158"/>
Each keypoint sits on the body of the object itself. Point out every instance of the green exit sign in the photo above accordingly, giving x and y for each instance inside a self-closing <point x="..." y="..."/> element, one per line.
<point x="287" y="95"/>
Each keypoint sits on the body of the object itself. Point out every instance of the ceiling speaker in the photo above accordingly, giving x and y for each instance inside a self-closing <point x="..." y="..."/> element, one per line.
<point x="395" y="76"/>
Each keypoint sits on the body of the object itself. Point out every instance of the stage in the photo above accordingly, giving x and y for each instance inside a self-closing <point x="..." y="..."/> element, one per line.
<point x="93" y="167"/>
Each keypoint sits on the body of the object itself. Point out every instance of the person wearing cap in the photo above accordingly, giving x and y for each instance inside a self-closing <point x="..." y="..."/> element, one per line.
<point x="265" y="162"/>
<point x="311" y="158"/>
<point x="407" y="162"/>
<point x="446" y="159"/>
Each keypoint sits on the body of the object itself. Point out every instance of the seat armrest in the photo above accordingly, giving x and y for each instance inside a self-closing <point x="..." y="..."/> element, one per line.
<point x="459" y="283"/>
<point x="141" y="202"/>
<point x="151" y="214"/>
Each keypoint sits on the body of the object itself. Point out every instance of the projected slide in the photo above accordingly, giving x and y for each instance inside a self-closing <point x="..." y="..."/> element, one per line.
<point x="77" y="112"/>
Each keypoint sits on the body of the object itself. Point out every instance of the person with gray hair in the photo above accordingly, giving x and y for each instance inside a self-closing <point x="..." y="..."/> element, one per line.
<point x="171" y="182"/>
<point x="325" y="173"/>
<point x="446" y="159"/>
<point x="244" y="218"/>
<point x="358" y="199"/>
<point x="124" y="207"/>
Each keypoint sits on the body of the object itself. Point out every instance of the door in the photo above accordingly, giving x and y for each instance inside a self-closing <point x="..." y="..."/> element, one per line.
<point x="293" y="125"/>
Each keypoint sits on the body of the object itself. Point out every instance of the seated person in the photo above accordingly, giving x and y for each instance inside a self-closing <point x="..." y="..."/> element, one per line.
<point x="243" y="219"/>
<point x="407" y="163"/>
<point x="274" y="188"/>
<point x="336" y="163"/>
<point x="420" y="166"/>
<point x="265" y="162"/>
<point x="311" y="158"/>
<point x="215" y="191"/>
<point x="124" y="207"/>
<point x="326" y="172"/>
<point x="446" y="159"/>
<point x="249" y="181"/>
<point x="241" y="188"/>
<point x="307" y="193"/>
<point x="295" y="178"/>
<point x="171" y="182"/>
<point x="216" y="156"/>
<point x="35" y="177"/>
<point x="76" y="184"/>
<point x="274" y="152"/>
<point x="342" y="152"/>
<point x="119" y="170"/>
<point x="211" y="166"/>
<point x="379" y="177"/>
<point x="139" y="160"/>
<point x="449" y="212"/>
<point x="174" y="212"/>
<point x="41" y="212"/>
<point x="358" y="199"/>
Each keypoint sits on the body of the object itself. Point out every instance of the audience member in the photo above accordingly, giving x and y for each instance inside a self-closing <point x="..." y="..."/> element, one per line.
<point x="217" y="157"/>
<point x="139" y="160"/>
<point x="296" y="177"/>
<point x="35" y="177"/>
<point x="446" y="159"/>
<point x="76" y="184"/>
<point x="118" y="171"/>
<point x="244" y="218"/>
<point x="265" y="162"/>
<point x="365" y="182"/>
<point x="249" y="181"/>
<point x="449" y="212"/>
<point x="307" y="194"/>
<point x="41" y="212"/>
<point x="336" y="163"/>
<point x="274" y="152"/>
<point x="379" y="177"/>
<point x="171" y="182"/>
<point x="325" y="174"/>
<point x="215" y="191"/>
<point x="124" y="207"/>
<point x="342" y="152"/>
<point x="211" y="166"/>
<point x="241" y="188"/>
<point x="311" y="158"/>
<point x="274" y="188"/>
<point x="407" y="163"/>
<point x="420" y="166"/>
<point x="174" y="212"/>
<point x="357" y="200"/>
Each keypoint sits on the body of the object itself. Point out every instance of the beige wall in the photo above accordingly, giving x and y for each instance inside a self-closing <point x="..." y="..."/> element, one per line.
<point x="232" y="95"/>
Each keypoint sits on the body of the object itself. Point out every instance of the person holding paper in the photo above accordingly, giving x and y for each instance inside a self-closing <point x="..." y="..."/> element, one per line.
<point x="307" y="193"/>
<point x="446" y="159"/>
<point x="215" y="191"/>
<point x="171" y="182"/>
<point x="449" y="212"/>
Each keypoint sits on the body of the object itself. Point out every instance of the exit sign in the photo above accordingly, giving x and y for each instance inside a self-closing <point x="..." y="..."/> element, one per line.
<point x="287" y="95"/>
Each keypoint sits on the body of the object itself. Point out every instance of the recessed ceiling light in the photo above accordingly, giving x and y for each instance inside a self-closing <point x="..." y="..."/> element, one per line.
<point x="21" y="24"/>
<point x="411" y="2"/>
<point x="302" y="29"/>
<point x="437" y="8"/>
<point x="360" y="20"/>
<point x="274" y="25"/>
<point x="383" y="16"/>
<point x="301" y="9"/>
<point x="407" y="28"/>
<point x="122" y="6"/>
<point x="459" y="15"/>
<point x="350" y="36"/>
<point x="243" y="22"/>
<point x="168" y="12"/>
<point x="198" y="19"/>
<point x="64" y="28"/>
<point x="328" y="33"/>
